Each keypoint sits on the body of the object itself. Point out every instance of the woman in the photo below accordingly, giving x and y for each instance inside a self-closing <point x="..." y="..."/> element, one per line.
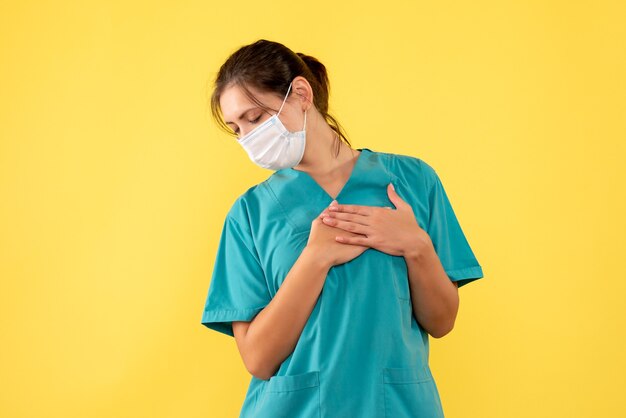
<point x="332" y="273"/>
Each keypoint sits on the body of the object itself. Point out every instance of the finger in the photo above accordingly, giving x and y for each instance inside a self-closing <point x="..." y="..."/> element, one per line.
<point x="356" y="209"/>
<point x="359" y="219"/>
<point x="346" y="226"/>
<point x="325" y="210"/>
<point x="352" y="240"/>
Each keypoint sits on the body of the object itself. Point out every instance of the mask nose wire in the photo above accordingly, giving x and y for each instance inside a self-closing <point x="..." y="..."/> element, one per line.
<point x="285" y="99"/>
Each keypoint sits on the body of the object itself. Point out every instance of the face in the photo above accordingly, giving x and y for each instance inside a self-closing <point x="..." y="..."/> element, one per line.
<point x="242" y="115"/>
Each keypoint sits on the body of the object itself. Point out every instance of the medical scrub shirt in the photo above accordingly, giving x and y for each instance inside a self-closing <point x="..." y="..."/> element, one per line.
<point x="361" y="353"/>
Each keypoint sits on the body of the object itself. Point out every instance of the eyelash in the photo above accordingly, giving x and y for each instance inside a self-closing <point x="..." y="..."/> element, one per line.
<point x="251" y="121"/>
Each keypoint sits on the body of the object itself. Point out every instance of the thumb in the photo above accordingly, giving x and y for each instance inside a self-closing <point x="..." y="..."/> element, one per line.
<point x="394" y="197"/>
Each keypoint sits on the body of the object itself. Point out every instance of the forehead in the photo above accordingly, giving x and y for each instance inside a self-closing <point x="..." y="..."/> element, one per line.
<point x="234" y="101"/>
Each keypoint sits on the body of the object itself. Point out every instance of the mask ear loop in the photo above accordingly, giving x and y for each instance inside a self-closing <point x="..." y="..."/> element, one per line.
<point x="285" y="99"/>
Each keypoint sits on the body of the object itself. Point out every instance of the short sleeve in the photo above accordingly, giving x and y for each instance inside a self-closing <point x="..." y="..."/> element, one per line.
<point x="238" y="290"/>
<point x="446" y="233"/>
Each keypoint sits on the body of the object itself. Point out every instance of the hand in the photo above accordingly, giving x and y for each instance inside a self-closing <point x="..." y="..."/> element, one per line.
<point x="322" y="239"/>
<point x="392" y="231"/>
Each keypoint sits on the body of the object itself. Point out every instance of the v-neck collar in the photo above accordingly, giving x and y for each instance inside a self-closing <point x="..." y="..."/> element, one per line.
<point x="300" y="198"/>
<point x="309" y="179"/>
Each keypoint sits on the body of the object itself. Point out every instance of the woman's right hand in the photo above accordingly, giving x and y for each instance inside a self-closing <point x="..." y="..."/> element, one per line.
<point x="322" y="240"/>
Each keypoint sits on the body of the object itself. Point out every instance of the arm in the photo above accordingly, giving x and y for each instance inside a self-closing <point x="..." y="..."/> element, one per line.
<point x="271" y="336"/>
<point x="434" y="296"/>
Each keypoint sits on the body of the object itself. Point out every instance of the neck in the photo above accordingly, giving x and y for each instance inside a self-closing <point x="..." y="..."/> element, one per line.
<point x="320" y="157"/>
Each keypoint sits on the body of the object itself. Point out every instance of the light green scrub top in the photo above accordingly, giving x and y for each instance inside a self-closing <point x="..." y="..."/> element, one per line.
<point x="361" y="353"/>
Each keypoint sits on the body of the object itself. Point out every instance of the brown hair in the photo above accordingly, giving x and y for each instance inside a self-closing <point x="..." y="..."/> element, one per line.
<point x="270" y="67"/>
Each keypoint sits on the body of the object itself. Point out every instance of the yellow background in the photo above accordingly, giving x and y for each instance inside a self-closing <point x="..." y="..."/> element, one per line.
<point x="115" y="181"/>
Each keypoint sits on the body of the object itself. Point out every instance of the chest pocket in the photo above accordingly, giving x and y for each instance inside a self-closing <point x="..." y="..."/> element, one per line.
<point x="290" y="396"/>
<point x="411" y="392"/>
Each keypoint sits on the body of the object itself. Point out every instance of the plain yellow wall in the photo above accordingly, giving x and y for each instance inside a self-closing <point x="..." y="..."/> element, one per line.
<point x="115" y="181"/>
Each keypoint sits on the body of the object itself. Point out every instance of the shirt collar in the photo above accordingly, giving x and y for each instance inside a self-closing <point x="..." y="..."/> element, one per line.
<point x="302" y="198"/>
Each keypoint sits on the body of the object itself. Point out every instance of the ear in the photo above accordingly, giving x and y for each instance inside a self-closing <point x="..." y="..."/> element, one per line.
<point x="304" y="92"/>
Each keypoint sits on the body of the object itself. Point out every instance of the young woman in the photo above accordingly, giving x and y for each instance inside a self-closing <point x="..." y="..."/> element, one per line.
<point x="332" y="273"/>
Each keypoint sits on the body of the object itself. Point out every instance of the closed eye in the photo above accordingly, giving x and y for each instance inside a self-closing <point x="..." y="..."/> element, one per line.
<point x="251" y="121"/>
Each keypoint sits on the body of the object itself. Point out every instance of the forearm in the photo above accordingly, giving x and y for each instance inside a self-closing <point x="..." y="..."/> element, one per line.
<point x="274" y="332"/>
<point x="434" y="296"/>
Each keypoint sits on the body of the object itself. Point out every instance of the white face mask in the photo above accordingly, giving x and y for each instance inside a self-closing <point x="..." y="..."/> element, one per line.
<point x="271" y="145"/>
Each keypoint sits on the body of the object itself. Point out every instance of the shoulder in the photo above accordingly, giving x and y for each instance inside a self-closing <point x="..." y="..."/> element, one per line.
<point x="408" y="167"/>
<point x="246" y="207"/>
<point x="239" y="210"/>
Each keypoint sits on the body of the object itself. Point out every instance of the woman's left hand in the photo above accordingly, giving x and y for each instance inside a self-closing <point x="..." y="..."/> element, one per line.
<point x="392" y="231"/>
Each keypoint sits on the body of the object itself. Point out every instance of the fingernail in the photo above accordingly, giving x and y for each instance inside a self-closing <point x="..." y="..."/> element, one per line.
<point x="393" y="188"/>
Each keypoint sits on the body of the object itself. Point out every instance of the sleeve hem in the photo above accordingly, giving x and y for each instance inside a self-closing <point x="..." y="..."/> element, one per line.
<point x="465" y="275"/>
<point x="221" y="319"/>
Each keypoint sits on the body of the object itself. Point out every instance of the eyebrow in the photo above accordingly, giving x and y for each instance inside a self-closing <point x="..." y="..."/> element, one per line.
<point x="243" y="114"/>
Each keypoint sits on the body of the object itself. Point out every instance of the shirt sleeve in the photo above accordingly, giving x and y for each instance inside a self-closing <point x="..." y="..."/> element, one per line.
<point x="238" y="290"/>
<point x="445" y="232"/>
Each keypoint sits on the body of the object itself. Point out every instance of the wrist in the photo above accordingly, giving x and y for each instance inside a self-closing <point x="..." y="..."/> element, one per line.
<point x="316" y="257"/>
<point x="419" y="248"/>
